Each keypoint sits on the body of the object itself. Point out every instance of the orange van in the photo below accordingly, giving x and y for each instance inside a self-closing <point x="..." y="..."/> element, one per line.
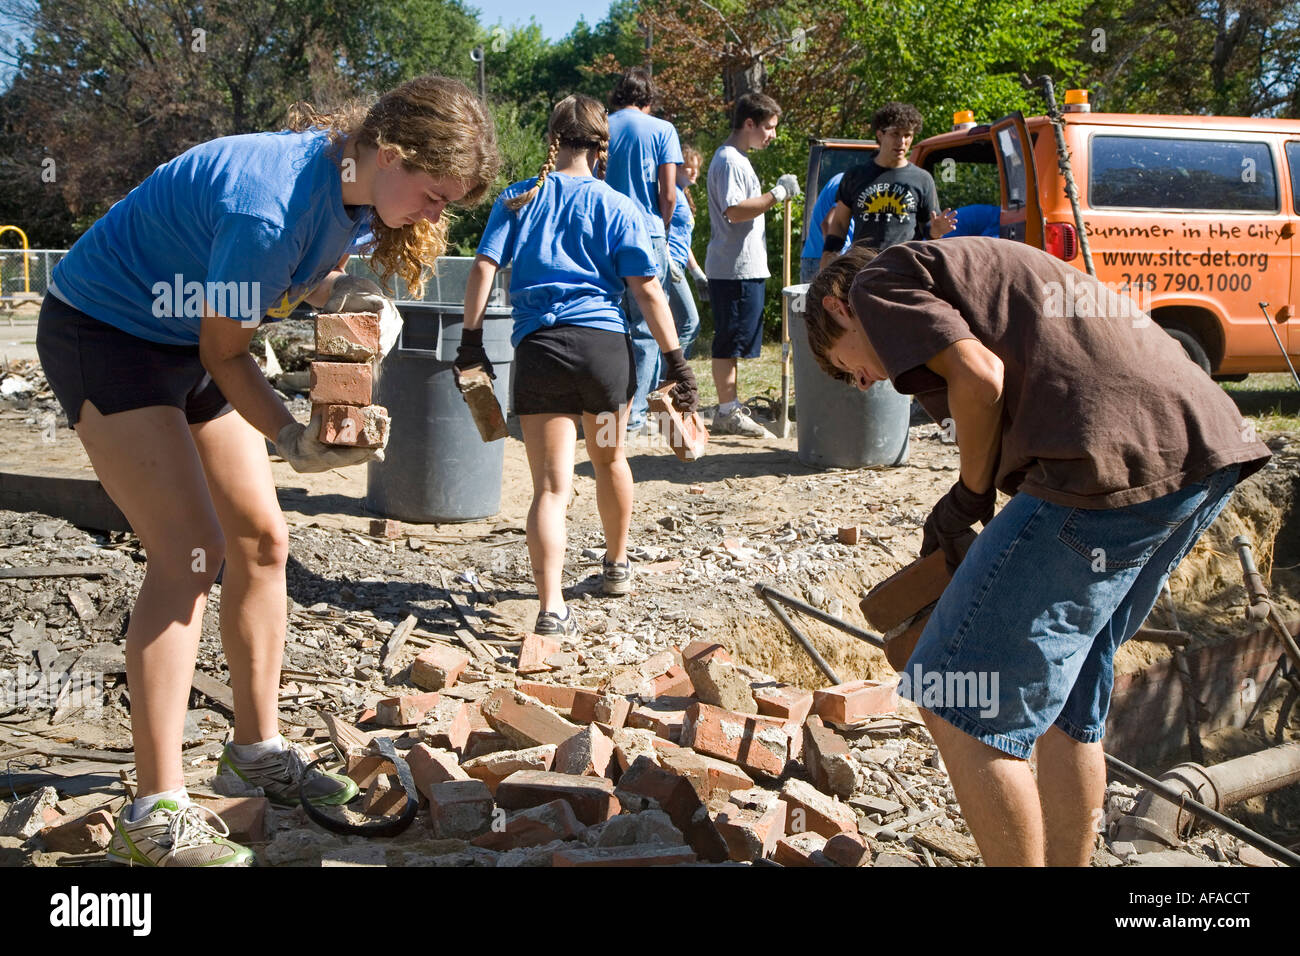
<point x="1197" y="218"/>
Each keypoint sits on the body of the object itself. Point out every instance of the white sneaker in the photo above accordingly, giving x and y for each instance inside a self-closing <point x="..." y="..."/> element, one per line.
<point x="738" y="423"/>
<point x="170" y="836"/>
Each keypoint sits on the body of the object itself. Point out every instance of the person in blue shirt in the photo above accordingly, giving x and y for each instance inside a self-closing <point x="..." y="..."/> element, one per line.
<point x="681" y="259"/>
<point x="811" y="254"/>
<point x="577" y="246"/>
<point x="644" y="153"/>
<point x="977" y="219"/>
<point x="144" y="338"/>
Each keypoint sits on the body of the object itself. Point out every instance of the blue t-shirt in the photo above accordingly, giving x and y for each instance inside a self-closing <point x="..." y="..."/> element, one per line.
<point x="638" y="145"/>
<point x="250" y="224"/>
<point x="815" y="242"/>
<point x="571" y="247"/>
<point x="680" y="230"/>
<point x="977" y="219"/>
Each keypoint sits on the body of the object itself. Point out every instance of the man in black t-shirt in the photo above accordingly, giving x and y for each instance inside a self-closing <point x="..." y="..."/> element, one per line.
<point x="888" y="199"/>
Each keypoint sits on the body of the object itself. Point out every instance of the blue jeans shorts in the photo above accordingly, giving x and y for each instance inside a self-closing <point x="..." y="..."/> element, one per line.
<point x="737" y="317"/>
<point x="1025" y="635"/>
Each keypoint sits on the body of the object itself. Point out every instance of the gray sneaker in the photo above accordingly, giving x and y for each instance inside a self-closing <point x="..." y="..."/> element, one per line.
<point x="738" y="423"/>
<point x="170" y="836"/>
<point x="550" y="624"/>
<point x="278" y="774"/>
<point x="616" y="579"/>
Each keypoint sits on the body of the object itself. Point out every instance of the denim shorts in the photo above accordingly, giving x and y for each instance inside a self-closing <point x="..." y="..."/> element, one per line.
<point x="1025" y="635"/>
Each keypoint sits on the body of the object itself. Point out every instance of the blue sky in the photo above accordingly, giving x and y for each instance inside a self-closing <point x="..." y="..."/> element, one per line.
<point x="555" y="17"/>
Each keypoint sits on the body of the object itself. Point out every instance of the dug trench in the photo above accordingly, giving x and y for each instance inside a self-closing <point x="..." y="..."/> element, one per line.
<point x="703" y="535"/>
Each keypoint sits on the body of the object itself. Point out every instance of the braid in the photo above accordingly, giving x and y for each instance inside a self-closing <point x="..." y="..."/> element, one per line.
<point x="690" y="200"/>
<point x="523" y="199"/>
<point x="602" y="160"/>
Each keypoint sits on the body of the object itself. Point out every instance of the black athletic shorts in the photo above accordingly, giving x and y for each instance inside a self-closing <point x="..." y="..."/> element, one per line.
<point x="88" y="360"/>
<point x="570" y="369"/>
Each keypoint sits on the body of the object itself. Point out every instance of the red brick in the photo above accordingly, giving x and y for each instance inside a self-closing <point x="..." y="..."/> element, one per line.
<point x="592" y="798"/>
<point x="848" y="534"/>
<point x="801" y="849"/>
<point x="751" y="824"/>
<point x="706" y="650"/>
<point x="245" y="816"/>
<point x="89" y="833"/>
<point x="533" y="827"/>
<point x="385" y="797"/>
<point x="758" y="744"/>
<point x="438" y="667"/>
<point x="527" y="722"/>
<point x="847" y="849"/>
<point x="905" y="592"/>
<point x="639" y="854"/>
<point x="385" y="528"/>
<point x="646" y="786"/>
<point x="712" y="778"/>
<point x="460" y="809"/>
<point x="534" y="651"/>
<point x="552" y="695"/>
<point x="447" y="726"/>
<point x="639" y="680"/>
<point x="587" y="752"/>
<point x="341" y="383"/>
<point x="353" y="426"/>
<point x="630" y="743"/>
<point x="675" y="683"/>
<point x="827" y="757"/>
<point x="431" y="766"/>
<point x="363" y="768"/>
<point x="665" y="716"/>
<point x="405" y="711"/>
<point x="812" y="811"/>
<point x="721" y="684"/>
<point x="611" y="710"/>
<point x="684" y="431"/>
<point x="855" y="701"/>
<point x="494" y="767"/>
<point x="783" y="700"/>
<point x="476" y="388"/>
<point x="350" y="336"/>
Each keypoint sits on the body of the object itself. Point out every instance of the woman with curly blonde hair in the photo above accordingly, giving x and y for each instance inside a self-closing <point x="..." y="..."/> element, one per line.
<point x="144" y="338"/>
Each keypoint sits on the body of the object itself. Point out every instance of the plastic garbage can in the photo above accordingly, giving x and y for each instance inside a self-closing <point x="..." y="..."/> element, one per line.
<point x="436" y="467"/>
<point x="839" y="426"/>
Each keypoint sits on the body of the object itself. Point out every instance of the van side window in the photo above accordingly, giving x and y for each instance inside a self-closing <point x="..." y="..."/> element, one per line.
<point x="1159" y="173"/>
<point x="1293" y="160"/>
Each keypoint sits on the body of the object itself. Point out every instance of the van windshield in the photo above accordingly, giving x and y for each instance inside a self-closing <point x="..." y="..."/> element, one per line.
<point x="1137" y="172"/>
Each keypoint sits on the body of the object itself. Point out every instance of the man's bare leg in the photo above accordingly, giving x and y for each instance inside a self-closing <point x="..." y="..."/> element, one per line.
<point x="1072" y="789"/>
<point x="998" y="796"/>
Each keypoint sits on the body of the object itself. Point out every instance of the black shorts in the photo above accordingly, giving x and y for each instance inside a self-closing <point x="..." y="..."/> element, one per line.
<point x="88" y="360"/>
<point x="570" y="369"/>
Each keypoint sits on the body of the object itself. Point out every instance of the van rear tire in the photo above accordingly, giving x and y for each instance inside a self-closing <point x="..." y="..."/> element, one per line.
<point x="1191" y="345"/>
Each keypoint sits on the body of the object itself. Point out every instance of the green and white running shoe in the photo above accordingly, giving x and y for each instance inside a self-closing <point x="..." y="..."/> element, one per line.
<point x="170" y="836"/>
<point x="278" y="775"/>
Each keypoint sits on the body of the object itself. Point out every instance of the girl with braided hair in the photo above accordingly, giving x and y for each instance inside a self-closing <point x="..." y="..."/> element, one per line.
<point x="576" y="246"/>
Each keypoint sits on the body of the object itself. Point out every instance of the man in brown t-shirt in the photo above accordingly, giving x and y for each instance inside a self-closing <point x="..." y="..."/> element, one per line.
<point x="1117" y="451"/>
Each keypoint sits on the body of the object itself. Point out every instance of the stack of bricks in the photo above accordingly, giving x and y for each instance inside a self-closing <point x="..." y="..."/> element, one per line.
<point x="342" y="380"/>
<point x="686" y="757"/>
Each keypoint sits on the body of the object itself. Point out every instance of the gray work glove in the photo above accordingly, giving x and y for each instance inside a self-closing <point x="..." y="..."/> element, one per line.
<point x="356" y="294"/>
<point x="787" y="187"/>
<point x="301" y="447"/>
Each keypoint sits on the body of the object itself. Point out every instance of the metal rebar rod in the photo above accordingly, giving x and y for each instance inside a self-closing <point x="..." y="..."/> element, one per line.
<point x="852" y="630"/>
<point x="1193" y="806"/>
<point x="803" y="641"/>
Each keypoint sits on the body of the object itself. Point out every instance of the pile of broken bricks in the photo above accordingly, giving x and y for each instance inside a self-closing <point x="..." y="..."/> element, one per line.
<point x="715" y="762"/>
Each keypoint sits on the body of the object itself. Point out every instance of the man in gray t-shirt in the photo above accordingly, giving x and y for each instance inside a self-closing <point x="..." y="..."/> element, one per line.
<point x="736" y="263"/>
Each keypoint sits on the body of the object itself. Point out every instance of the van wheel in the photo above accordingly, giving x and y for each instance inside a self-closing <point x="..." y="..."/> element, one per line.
<point x="1191" y="345"/>
<point x="1239" y="377"/>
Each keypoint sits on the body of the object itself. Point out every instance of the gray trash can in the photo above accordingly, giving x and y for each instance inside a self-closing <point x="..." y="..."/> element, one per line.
<point x="838" y="425"/>
<point x="436" y="467"/>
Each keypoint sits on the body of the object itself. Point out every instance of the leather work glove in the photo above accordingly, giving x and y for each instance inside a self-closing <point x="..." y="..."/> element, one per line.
<point x="301" y="447"/>
<point x="356" y="294"/>
<point x="949" y="524"/>
<point x="686" y="393"/>
<point x="471" y="354"/>
<point x="787" y="187"/>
